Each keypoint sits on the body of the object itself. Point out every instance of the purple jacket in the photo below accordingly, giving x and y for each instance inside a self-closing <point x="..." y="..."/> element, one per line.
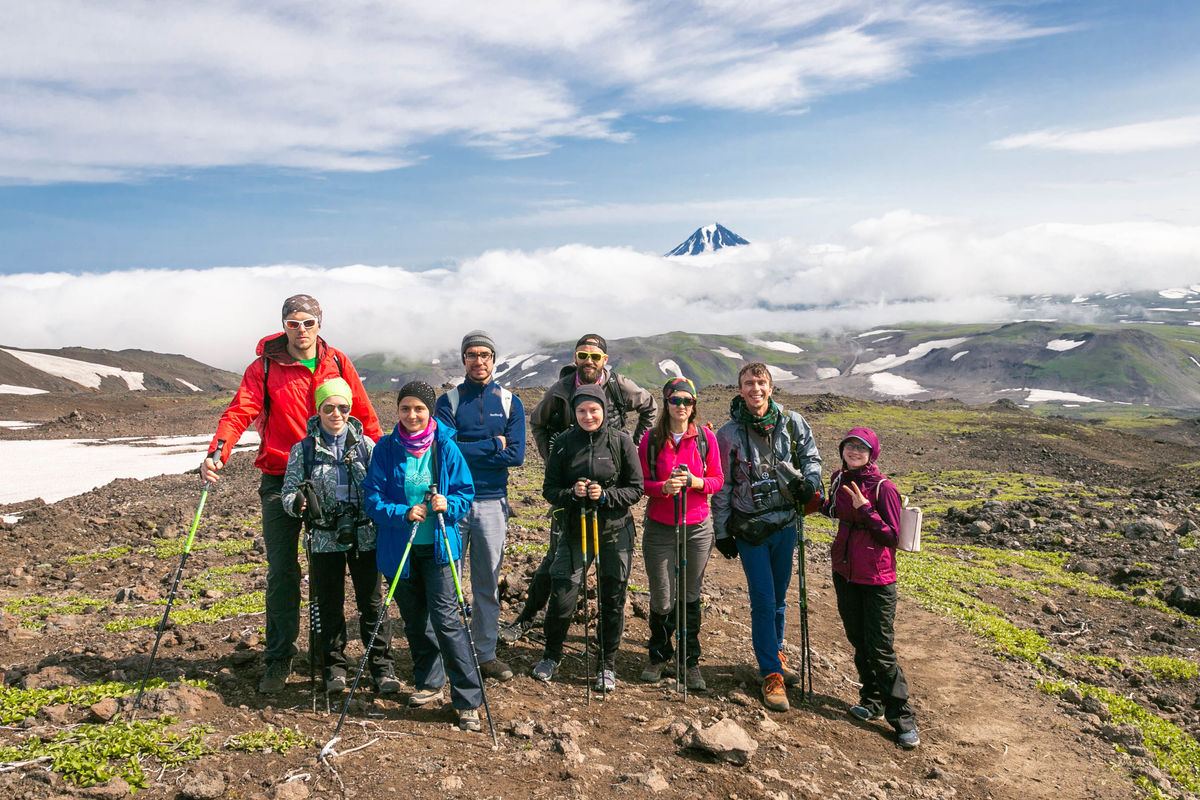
<point x="864" y="550"/>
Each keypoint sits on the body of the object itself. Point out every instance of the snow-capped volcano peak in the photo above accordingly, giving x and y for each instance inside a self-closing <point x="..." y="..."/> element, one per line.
<point x="706" y="239"/>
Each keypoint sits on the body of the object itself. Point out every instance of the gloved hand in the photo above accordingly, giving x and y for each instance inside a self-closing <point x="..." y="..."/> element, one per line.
<point x="298" y="504"/>
<point x="802" y="490"/>
<point x="727" y="546"/>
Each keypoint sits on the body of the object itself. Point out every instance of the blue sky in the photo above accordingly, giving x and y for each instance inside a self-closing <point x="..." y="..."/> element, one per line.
<point x="150" y="137"/>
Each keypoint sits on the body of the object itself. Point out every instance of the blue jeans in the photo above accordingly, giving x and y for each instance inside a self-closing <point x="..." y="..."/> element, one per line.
<point x="768" y="568"/>
<point x="427" y="599"/>
<point x="484" y="531"/>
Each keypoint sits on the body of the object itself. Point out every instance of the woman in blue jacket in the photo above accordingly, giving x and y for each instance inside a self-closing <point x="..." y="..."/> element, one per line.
<point x="416" y="473"/>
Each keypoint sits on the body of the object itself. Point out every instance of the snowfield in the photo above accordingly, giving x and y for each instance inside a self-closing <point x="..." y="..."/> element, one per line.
<point x="894" y="385"/>
<point x="920" y="351"/>
<point x="82" y="372"/>
<point x="958" y="355"/>
<point x="670" y="367"/>
<point x="53" y="469"/>
<point x="6" y="388"/>
<point x="779" y="347"/>
<point x="825" y="373"/>
<point x="1063" y="345"/>
<point x="725" y="351"/>
<point x="781" y="374"/>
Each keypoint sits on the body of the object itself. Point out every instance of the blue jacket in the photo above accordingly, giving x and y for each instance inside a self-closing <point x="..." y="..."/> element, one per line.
<point x="478" y="421"/>
<point x="386" y="503"/>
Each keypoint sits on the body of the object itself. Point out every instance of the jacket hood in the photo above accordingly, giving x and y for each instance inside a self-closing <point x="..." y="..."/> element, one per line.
<point x="274" y="347"/>
<point x="866" y="435"/>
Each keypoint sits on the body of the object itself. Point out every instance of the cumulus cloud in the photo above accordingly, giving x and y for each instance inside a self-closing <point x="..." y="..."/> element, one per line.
<point x="116" y="91"/>
<point x="1162" y="134"/>
<point x="900" y="267"/>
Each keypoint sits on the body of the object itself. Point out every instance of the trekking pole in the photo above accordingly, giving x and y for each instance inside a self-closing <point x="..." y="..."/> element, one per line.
<point x="464" y="613"/>
<point x="595" y="514"/>
<point x="805" y="654"/>
<point x="328" y="750"/>
<point x="679" y="673"/>
<point x="314" y="630"/>
<point x="682" y="600"/>
<point x="587" y="639"/>
<point x="187" y="549"/>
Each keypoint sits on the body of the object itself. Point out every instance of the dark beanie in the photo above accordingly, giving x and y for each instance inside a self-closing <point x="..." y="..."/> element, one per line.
<point x="420" y="390"/>
<point x="477" y="339"/>
<point x="588" y="391"/>
<point x="304" y="303"/>
<point x="593" y="339"/>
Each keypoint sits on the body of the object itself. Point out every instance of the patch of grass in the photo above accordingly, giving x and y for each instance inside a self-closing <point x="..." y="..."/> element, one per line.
<point x="250" y="603"/>
<point x="88" y="558"/>
<point x="1172" y="749"/>
<point x="1107" y="662"/>
<point x="17" y="704"/>
<point x="272" y="740"/>
<point x="29" y="609"/>
<point x="1169" y="668"/>
<point x="86" y="755"/>
<point x="523" y="548"/>
<point x="173" y="548"/>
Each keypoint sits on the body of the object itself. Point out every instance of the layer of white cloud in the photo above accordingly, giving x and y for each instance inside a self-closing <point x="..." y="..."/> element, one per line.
<point x="885" y="272"/>
<point x="1162" y="134"/>
<point x="113" y="91"/>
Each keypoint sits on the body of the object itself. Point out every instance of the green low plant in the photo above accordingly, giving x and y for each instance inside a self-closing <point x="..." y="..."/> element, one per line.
<point x="1169" y="668"/>
<point x="88" y="754"/>
<point x="87" y="558"/>
<point x="272" y="740"/>
<point x="225" y="608"/>
<point x="16" y="704"/>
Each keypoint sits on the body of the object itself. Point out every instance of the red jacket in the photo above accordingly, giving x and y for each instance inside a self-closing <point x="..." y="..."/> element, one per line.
<point x="661" y="508"/>
<point x="290" y="387"/>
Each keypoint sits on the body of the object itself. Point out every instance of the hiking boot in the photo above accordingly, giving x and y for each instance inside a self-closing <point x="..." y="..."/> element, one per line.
<point x="606" y="681"/>
<point x="496" y="669"/>
<point x="653" y="672"/>
<point x="468" y="720"/>
<point x="908" y="739"/>
<point x="275" y="678"/>
<point x="774" y="694"/>
<point x="694" y="679"/>
<point x="544" y="670"/>
<point x="513" y="631"/>
<point x="335" y="681"/>
<point x="386" y="682"/>
<point x="864" y="714"/>
<point x="789" y="678"/>
<point x="423" y="697"/>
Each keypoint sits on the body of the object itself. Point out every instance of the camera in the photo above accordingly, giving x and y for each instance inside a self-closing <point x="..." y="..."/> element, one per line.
<point x="345" y="523"/>
<point x="762" y="489"/>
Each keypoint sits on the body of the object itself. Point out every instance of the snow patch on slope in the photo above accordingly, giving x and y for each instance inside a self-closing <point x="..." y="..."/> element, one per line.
<point x="6" y="388"/>
<point x="669" y="367"/>
<point x="781" y="347"/>
<point x="725" y="351"/>
<point x="920" y="351"/>
<point x="84" y="373"/>
<point x="1063" y="345"/>
<point x="894" y="385"/>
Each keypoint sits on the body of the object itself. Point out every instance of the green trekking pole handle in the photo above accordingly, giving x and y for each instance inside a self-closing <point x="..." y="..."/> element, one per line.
<point x="187" y="549"/>
<point x="387" y="601"/>
<point x="441" y="522"/>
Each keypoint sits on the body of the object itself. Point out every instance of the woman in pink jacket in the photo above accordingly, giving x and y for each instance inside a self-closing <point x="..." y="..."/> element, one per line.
<point x="678" y="455"/>
<point x="867" y="507"/>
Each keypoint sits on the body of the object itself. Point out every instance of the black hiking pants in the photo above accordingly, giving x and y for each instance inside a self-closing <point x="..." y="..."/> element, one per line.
<point x="869" y="615"/>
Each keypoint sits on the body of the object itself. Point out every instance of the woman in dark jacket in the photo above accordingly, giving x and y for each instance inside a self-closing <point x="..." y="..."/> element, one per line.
<point x="867" y="507"/>
<point x="591" y="465"/>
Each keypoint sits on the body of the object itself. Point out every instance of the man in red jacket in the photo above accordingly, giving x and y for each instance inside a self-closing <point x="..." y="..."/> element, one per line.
<point x="277" y="396"/>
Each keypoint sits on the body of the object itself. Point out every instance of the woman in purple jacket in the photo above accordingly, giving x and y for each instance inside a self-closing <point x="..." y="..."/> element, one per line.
<point x="685" y="458"/>
<point x="867" y="507"/>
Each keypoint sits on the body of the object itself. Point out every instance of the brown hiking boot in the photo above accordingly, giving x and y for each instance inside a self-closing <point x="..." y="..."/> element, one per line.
<point x="789" y="678"/>
<point x="774" y="693"/>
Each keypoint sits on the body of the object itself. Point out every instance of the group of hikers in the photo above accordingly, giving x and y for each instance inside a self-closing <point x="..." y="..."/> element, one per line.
<point x="410" y="507"/>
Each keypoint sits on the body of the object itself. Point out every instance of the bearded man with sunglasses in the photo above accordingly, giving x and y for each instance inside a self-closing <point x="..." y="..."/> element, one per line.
<point x="553" y="415"/>
<point x="276" y="395"/>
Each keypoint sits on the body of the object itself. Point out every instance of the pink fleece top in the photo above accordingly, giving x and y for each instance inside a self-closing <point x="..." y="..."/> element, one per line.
<point x="661" y="508"/>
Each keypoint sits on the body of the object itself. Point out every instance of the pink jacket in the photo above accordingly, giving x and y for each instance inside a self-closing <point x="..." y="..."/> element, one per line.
<point x="661" y="508"/>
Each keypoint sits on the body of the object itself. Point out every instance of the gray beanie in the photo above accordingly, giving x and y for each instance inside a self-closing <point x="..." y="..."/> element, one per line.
<point x="477" y="339"/>
<point x="304" y="303"/>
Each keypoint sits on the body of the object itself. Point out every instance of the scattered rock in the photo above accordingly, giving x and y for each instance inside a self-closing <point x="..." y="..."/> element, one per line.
<point x="291" y="790"/>
<point x="1125" y="735"/>
<point x="725" y="739"/>
<point x="105" y="709"/>
<point x="1145" y="528"/>
<point x="206" y="784"/>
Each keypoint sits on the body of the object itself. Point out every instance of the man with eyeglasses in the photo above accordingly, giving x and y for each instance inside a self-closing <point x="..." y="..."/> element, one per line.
<point x="276" y="395"/>
<point x="553" y="415"/>
<point x="490" y="425"/>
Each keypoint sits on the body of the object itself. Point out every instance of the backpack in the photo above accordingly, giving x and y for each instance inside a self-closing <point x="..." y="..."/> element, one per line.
<point x="652" y="449"/>
<point x="908" y="537"/>
<point x="505" y="401"/>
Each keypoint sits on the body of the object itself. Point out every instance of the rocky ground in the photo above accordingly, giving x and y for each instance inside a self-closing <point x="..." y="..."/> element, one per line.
<point x="1048" y="632"/>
